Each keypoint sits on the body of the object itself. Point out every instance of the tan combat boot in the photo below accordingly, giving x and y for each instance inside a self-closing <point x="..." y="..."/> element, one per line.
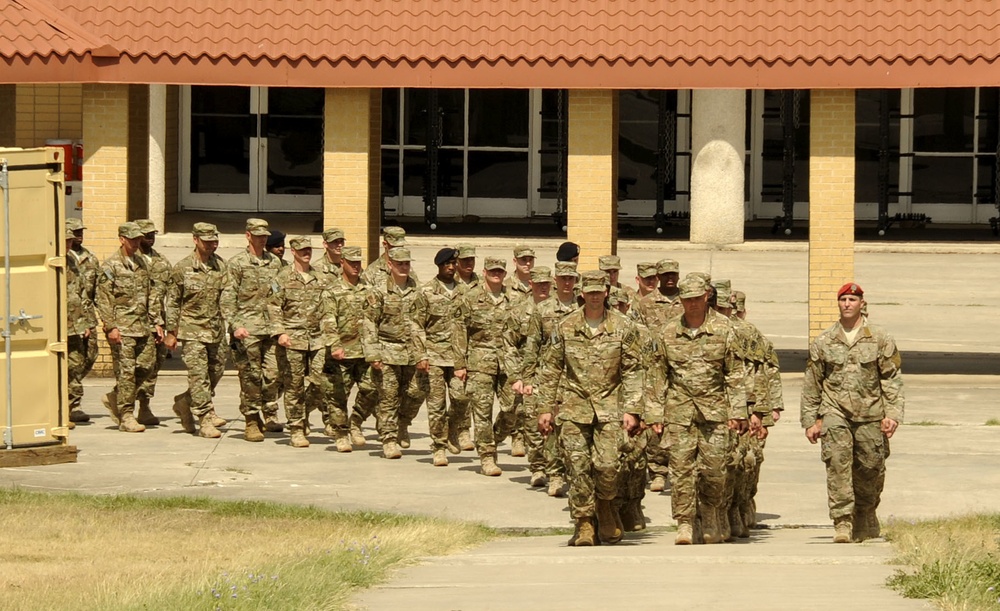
<point x="78" y="415"/>
<point x="390" y="450"/>
<point x="584" y="536"/>
<point x="440" y="460"/>
<point x="343" y="443"/>
<point x="556" y="486"/>
<point x="538" y="479"/>
<point x="465" y="441"/>
<point x="129" y="424"/>
<point x="216" y="421"/>
<point x="453" y="444"/>
<point x="357" y="437"/>
<point x="632" y="516"/>
<point x="722" y="519"/>
<point x="866" y="525"/>
<point x="658" y="484"/>
<point x="842" y="528"/>
<point x="736" y="525"/>
<point x="146" y="415"/>
<point x="517" y="447"/>
<point x="488" y="466"/>
<point x="271" y="424"/>
<point x="254" y="430"/>
<point x="607" y="522"/>
<point x="299" y="439"/>
<point x="206" y="427"/>
<point x="110" y="402"/>
<point x="182" y="407"/>
<point x="403" y="435"/>
<point x="711" y="532"/>
<point x="685" y="534"/>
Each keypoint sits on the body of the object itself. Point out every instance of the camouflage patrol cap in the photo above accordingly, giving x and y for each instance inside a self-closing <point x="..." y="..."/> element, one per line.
<point x="332" y="234"/>
<point x="495" y="263"/>
<point x="616" y="296"/>
<point x="400" y="255"/>
<point x="740" y="301"/>
<point x="541" y="274"/>
<point x="706" y="278"/>
<point x="394" y="236"/>
<point x="351" y="253"/>
<point x="258" y="227"/>
<point x="129" y="230"/>
<point x="723" y="292"/>
<point x="69" y="234"/>
<point x="146" y="226"/>
<point x="566" y="268"/>
<point x="665" y="266"/>
<point x="74" y="224"/>
<point x="593" y="281"/>
<point x="645" y="269"/>
<point x="299" y="242"/>
<point x="465" y="250"/>
<point x="692" y="286"/>
<point x="609" y="262"/>
<point x="205" y="231"/>
<point x="523" y="250"/>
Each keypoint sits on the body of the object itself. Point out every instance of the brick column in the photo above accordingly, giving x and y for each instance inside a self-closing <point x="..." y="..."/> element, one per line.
<point x="592" y="176"/>
<point x="831" y="203"/>
<point x="352" y="166"/>
<point x="105" y="165"/>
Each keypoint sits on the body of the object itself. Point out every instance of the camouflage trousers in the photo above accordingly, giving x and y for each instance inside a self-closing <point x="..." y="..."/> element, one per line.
<point x="304" y="384"/>
<point x="854" y="453"/>
<point x="658" y="456"/>
<point x="257" y="363"/>
<point x="81" y="354"/>
<point x="482" y="389"/>
<point x="632" y="481"/>
<point x="401" y="391"/>
<point x="737" y="471"/>
<point x="205" y="362"/>
<point x="339" y="377"/>
<point x="447" y="404"/>
<point x="592" y="452"/>
<point x="148" y="388"/>
<point x="133" y="361"/>
<point x="543" y="451"/>
<point x="699" y="453"/>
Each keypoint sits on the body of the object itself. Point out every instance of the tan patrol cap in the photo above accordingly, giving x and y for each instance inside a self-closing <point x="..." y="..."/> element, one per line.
<point x="400" y="255"/>
<point x="723" y="292"/>
<point x="333" y="234"/>
<point x="351" y="253"/>
<point x="129" y="230"/>
<point x="593" y="281"/>
<point x="206" y="231"/>
<point x="258" y="227"/>
<point x="617" y="296"/>
<point x="522" y="250"/>
<point x="665" y="266"/>
<point x="705" y="277"/>
<point x="69" y="233"/>
<point x="609" y="262"/>
<point x="299" y="242"/>
<point x="692" y="286"/>
<point x="645" y="269"/>
<point x="394" y="236"/>
<point x="541" y="274"/>
<point x="146" y="226"/>
<point x="495" y="263"/>
<point x="740" y="301"/>
<point x="74" y="224"/>
<point x="465" y="250"/>
<point x="566" y="268"/>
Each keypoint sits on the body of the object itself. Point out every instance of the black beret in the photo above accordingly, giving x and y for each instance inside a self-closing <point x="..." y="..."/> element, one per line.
<point x="567" y="251"/>
<point x="444" y="255"/>
<point x="276" y="239"/>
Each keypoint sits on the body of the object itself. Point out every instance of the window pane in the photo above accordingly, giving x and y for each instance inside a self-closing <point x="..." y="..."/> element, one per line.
<point x="554" y="115"/>
<point x="390" y="172"/>
<point x="414" y="166"/>
<point x="498" y="117"/>
<point x="451" y="105"/>
<point x="986" y="192"/>
<point x="638" y="133"/>
<point x="989" y="106"/>
<point x="221" y="128"/>
<point x="773" y="146"/>
<point x="390" y="116"/>
<point x="942" y="121"/>
<point x="449" y="172"/>
<point x="220" y="100"/>
<point x="295" y="141"/>
<point x="868" y="144"/>
<point x="295" y="101"/>
<point x="942" y="180"/>
<point x="496" y="174"/>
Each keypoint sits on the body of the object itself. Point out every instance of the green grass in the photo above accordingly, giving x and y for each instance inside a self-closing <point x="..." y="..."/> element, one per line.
<point x="131" y="552"/>
<point x="954" y="562"/>
<point x="925" y="423"/>
<point x="993" y="422"/>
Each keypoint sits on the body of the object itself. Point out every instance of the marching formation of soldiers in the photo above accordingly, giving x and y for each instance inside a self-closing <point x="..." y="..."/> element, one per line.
<point x="603" y="388"/>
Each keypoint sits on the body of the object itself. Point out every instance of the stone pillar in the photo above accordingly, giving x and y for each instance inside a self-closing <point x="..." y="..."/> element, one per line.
<point x="592" y="174"/>
<point x="352" y="166"/>
<point x="718" y="137"/>
<point x="157" y="156"/>
<point x="831" y="203"/>
<point x="105" y="165"/>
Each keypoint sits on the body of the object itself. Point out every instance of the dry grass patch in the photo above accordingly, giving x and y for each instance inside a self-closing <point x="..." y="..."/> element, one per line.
<point x="954" y="562"/>
<point x="126" y="552"/>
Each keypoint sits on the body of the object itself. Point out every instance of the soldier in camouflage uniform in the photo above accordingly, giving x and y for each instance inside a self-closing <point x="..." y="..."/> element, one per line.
<point x="297" y="310"/>
<point x="195" y="318"/>
<point x="123" y="302"/>
<point x="81" y="318"/>
<point x="485" y="312"/>
<point x="328" y="268"/>
<point x="612" y="266"/>
<point x="394" y="343"/>
<point x="593" y="372"/>
<point x="541" y="337"/>
<point x="348" y="364"/>
<point x="248" y="288"/>
<point x="468" y="279"/>
<point x="519" y="290"/>
<point x="159" y="275"/>
<point x="705" y="403"/>
<point x="852" y="400"/>
<point x="446" y="399"/>
<point x="645" y="279"/>
<point x="82" y="347"/>
<point x="377" y="271"/>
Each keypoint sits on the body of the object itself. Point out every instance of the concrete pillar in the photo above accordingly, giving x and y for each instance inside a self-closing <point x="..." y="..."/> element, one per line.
<point x="718" y="127"/>
<point x="831" y="202"/>
<point x="157" y="155"/>
<point x="352" y="166"/>
<point x="592" y="174"/>
<point x="105" y="165"/>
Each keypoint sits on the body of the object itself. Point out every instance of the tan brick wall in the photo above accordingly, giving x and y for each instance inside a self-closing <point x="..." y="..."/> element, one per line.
<point x="8" y="116"/>
<point x="831" y="203"/>
<point x="351" y="160"/>
<point x="105" y="165"/>
<point x="46" y="112"/>
<point x="592" y="174"/>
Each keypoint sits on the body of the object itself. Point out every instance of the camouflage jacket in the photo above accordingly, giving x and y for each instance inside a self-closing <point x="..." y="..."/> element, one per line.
<point x="248" y="291"/>
<point x="327" y="269"/>
<point x="80" y="313"/>
<point x="515" y="337"/>
<point x="443" y="331"/>
<point x="159" y="277"/>
<point x="393" y="324"/>
<point x="344" y="327"/>
<point x="517" y="290"/>
<point x="657" y="309"/>
<point x="541" y="334"/>
<point x="123" y="291"/>
<point x="592" y="373"/>
<point x="474" y="281"/>
<point x="192" y="302"/>
<point x="88" y="269"/>
<point x="862" y="382"/>
<point x="485" y="321"/>
<point x="377" y="273"/>
<point x="751" y="348"/>
<point x="703" y="373"/>
<point x="298" y="307"/>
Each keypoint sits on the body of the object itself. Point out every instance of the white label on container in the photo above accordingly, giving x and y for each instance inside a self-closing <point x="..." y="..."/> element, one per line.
<point x="39" y="432"/>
